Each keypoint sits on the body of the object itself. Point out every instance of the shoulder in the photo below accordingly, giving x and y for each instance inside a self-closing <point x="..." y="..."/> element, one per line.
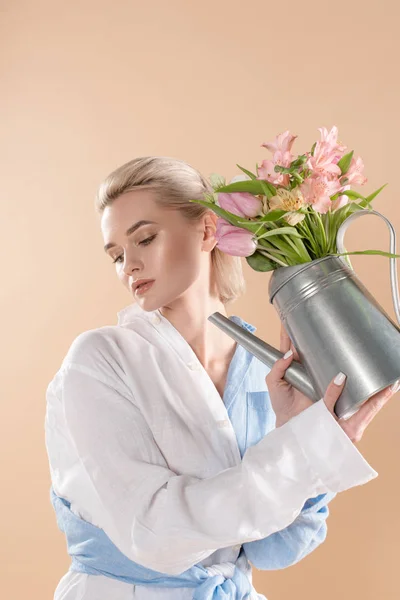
<point x="101" y="353"/>
<point x="109" y="341"/>
<point x="93" y="344"/>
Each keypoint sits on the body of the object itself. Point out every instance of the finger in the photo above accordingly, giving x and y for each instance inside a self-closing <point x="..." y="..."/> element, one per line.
<point x="333" y="391"/>
<point x="363" y="417"/>
<point x="295" y="353"/>
<point x="284" y="344"/>
<point x="277" y="373"/>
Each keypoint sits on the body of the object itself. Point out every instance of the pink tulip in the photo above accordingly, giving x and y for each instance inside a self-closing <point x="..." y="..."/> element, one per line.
<point x="241" y="204"/>
<point x="234" y="240"/>
<point x="318" y="190"/>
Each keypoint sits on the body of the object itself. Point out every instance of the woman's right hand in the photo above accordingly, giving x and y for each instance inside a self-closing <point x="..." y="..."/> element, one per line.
<point x="288" y="402"/>
<point x="355" y="425"/>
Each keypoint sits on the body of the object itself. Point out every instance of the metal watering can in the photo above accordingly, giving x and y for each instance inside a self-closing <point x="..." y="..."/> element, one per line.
<point x="335" y="325"/>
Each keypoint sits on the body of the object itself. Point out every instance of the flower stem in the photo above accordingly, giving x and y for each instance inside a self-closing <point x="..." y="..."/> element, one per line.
<point x="322" y="230"/>
<point x="305" y="229"/>
<point x="261" y="250"/>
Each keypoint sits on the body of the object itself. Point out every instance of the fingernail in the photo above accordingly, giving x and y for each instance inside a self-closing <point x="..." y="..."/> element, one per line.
<point x="395" y="386"/>
<point x="288" y="353"/>
<point x="340" y="377"/>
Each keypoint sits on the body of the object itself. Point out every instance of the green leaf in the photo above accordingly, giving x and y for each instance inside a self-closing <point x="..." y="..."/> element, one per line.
<point x="272" y="215"/>
<point x="254" y="186"/>
<point x="258" y="262"/>
<point x="313" y="148"/>
<point x="349" y="194"/>
<point x="246" y="172"/>
<point x="279" y="169"/>
<point x="344" y="162"/>
<point x="353" y="207"/>
<point x="281" y="231"/>
<point x="280" y="242"/>
<point x="300" y="160"/>
<point x="268" y="188"/>
<point x="301" y="248"/>
<point x="297" y="177"/>
<point x="209" y="197"/>
<point x="380" y="252"/>
<point x="369" y="198"/>
<point x="230" y="217"/>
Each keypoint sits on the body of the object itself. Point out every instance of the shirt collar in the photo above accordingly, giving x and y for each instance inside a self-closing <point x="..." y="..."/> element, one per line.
<point x="127" y="315"/>
<point x="239" y="366"/>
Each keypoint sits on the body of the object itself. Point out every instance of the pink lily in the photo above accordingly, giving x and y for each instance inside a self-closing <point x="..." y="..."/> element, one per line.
<point x="327" y="154"/>
<point x="234" y="240"/>
<point x="266" y="169"/>
<point x="330" y="138"/>
<point x="341" y="200"/>
<point x="318" y="190"/>
<point x="282" y="156"/>
<point x="354" y="175"/>
<point x="324" y="161"/>
<point x="283" y="143"/>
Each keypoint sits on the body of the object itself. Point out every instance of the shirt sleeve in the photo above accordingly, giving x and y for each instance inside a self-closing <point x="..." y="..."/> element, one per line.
<point x="287" y="547"/>
<point x="169" y="522"/>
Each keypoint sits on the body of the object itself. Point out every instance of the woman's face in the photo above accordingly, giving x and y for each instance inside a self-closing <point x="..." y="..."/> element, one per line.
<point x="167" y="251"/>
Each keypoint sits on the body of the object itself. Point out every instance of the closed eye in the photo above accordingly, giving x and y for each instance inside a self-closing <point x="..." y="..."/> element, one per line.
<point x="145" y="242"/>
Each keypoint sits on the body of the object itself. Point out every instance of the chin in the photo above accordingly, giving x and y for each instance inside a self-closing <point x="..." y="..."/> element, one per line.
<point x="147" y="304"/>
<point x="150" y="302"/>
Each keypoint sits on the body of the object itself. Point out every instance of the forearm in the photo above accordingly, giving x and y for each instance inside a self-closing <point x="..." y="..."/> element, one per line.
<point x="293" y="543"/>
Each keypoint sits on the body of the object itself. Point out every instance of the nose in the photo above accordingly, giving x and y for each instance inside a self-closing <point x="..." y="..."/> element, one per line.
<point x="131" y="264"/>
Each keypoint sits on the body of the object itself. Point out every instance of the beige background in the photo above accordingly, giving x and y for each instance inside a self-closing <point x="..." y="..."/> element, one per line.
<point x="86" y="86"/>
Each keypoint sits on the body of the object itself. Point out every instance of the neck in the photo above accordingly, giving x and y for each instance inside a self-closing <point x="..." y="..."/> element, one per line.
<point x="189" y="316"/>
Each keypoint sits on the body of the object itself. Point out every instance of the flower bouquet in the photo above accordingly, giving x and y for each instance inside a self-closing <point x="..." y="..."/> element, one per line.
<point x="289" y="211"/>
<point x="289" y="217"/>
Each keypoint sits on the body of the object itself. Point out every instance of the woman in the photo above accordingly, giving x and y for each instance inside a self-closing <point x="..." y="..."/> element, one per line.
<point x="174" y="466"/>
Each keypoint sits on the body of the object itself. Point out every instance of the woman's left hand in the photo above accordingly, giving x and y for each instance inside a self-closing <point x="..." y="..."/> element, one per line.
<point x="289" y="396"/>
<point x="291" y="401"/>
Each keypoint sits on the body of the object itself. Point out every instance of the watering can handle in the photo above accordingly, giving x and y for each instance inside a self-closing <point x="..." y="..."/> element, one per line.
<point x="393" y="271"/>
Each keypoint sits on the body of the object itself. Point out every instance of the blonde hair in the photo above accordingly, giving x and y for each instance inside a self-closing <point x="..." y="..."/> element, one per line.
<point x="179" y="183"/>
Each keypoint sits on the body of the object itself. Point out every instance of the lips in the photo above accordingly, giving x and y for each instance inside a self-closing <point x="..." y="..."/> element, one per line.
<point x="139" y="282"/>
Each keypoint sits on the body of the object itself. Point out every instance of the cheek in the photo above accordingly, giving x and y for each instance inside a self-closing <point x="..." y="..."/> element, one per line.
<point x="124" y="278"/>
<point x="179" y="251"/>
<point x="177" y="254"/>
<point x="183" y="260"/>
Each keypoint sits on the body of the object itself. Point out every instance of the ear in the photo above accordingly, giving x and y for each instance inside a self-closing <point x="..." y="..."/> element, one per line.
<point x="210" y="227"/>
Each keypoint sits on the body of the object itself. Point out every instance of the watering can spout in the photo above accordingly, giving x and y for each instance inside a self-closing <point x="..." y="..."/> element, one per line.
<point x="295" y="375"/>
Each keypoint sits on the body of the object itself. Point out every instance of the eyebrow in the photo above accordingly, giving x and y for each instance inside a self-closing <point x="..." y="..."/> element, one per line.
<point x="131" y="229"/>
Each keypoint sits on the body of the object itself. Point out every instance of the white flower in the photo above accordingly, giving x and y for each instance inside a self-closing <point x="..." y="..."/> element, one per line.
<point x="241" y="177"/>
<point x="290" y="201"/>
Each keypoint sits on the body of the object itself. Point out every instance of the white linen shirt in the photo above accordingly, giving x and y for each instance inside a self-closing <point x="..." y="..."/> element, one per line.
<point x="140" y="442"/>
